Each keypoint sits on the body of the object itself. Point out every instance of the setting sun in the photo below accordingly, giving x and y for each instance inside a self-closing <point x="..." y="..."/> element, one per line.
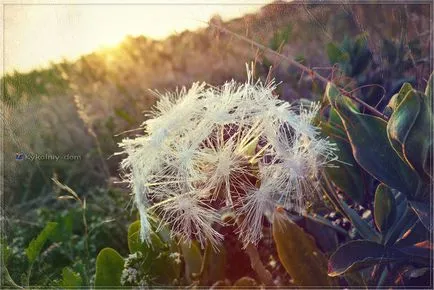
<point x="38" y="34"/>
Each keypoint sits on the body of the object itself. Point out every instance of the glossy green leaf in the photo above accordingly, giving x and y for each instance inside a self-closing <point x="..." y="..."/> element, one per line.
<point x="345" y="173"/>
<point x="402" y="121"/>
<point x="405" y="219"/>
<point x="357" y="255"/>
<point x="384" y="207"/>
<point x="297" y="251"/>
<point x="419" y="140"/>
<point x="192" y="258"/>
<point x="109" y="266"/>
<point x="35" y="246"/>
<point x="364" y="229"/>
<point x="70" y="278"/>
<point x="371" y="147"/>
<point x="397" y="99"/>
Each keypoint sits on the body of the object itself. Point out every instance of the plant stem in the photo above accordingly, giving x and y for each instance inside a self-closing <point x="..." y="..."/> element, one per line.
<point x="301" y="67"/>
<point x="29" y="274"/>
<point x="257" y="265"/>
<point x="255" y="262"/>
<point x="9" y="279"/>
<point x="86" y="236"/>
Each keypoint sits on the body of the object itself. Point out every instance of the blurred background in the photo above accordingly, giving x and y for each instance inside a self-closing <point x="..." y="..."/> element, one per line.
<point x="77" y="79"/>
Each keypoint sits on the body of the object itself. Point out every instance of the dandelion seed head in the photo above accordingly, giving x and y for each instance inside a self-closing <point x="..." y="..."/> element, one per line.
<point x="235" y="147"/>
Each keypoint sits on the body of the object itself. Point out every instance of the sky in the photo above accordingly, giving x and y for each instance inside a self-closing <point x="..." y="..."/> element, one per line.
<point x="35" y="34"/>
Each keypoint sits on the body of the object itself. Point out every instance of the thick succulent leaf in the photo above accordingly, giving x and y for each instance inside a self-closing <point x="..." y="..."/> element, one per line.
<point x="357" y="255"/>
<point x="420" y="253"/>
<point x="70" y="278"/>
<point x="345" y="173"/>
<point x="371" y="147"/>
<point x="192" y="259"/>
<point x="384" y="208"/>
<point x="402" y="121"/>
<point x="297" y="251"/>
<point x="397" y="99"/>
<point x="423" y="212"/>
<point x="364" y="229"/>
<point x="109" y="266"/>
<point x="323" y="231"/>
<point x="419" y="140"/>
<point x="406" y="218"/>
<point x="35" y="246"/>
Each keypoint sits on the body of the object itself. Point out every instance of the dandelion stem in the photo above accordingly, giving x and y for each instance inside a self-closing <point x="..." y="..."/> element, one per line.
<point x="257" y="265"/>
<point x="255" y="261"/>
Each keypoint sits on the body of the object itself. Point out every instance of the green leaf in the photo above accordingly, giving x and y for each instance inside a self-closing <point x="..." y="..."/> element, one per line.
<point x="335" y="53"/>
<point x="402" y="121"/>
<point x="135" y="244"/>
<point x="297" y="251"/>
<point x="397" y="99"/>
<point x="70" y="278"/>
<point x="109" y="266"/>
<point x="192" y="258"/>
<point x="35" y="246"/>
<point x="419" y="140"/>
<point x="384" y="208"/>
<point x="364" y="229"/>
<point x="357" y="255"/>
<point x="345" y="173"/>
<point x="371" y="147"/>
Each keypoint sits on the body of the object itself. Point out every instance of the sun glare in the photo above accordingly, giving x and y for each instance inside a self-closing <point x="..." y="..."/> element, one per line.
<point x="38" y="34"/>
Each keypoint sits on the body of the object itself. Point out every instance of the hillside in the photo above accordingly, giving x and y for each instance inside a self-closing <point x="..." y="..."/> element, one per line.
<point x="94" y="99"/>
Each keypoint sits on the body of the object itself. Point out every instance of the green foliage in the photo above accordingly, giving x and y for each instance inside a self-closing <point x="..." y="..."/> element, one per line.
<point x="371" y="147"/>
<point x="394" y="152"/>
<point x="71" y="279"/>
<point x="357" y="255"/>
<point x="298" y="253"/>
<point x="156" y="262"/>
<point x="385" y="207"/>
<point x="35" y="246"/>
<point x="378" y="78"/>
<point x="109" y="266"/>
<point x="281" y="37"/>
<point x="336" y="54"/>
<point x="346" y="172"/>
